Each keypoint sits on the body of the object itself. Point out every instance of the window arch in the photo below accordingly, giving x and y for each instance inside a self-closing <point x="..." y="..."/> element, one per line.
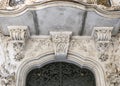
<point x="43" y="59"/>
<point x="60" y="74"/>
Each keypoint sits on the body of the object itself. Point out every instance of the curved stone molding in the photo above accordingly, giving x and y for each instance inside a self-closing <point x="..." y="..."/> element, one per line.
<point x="85" y="5"/>
<point x="61" y="43"/>
<point x="102" y="37"/>
<point x="43" y="59"/>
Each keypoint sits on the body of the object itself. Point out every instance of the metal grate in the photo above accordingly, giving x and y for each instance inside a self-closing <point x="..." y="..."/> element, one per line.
<point x="60" y="74"/>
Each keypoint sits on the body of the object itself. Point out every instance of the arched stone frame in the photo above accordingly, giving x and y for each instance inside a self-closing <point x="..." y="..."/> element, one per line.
<point x="43" y="59"/>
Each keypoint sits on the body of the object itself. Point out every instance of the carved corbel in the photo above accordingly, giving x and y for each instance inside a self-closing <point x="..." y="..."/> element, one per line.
<point x="18" y="35"/>
<point x="102" y="37"/>
<point x="61" y="43"/>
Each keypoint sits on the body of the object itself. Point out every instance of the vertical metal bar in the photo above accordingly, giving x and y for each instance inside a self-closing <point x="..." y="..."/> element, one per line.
<point x="60" y="73"/>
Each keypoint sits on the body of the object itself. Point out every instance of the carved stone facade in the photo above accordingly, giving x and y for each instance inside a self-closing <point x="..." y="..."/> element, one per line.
<point x="23" y="52"/>
<point x="18" y="4"/>
<point x="12" y="48"/>
<point x="18" y="35"/>
<point x="102" y="36"/>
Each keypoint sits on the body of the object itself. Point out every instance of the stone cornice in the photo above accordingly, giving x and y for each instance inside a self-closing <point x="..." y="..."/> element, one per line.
<point x="100" y="9"/>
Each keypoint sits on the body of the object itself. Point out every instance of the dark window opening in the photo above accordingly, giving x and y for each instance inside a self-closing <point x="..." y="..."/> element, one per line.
<point x="60" y="74"/>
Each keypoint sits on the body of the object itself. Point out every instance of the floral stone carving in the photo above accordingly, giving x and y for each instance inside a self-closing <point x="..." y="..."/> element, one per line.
<point x="7" y="74"/>
<point x="113" y="64"/>
<point x="102" y="37"/>
<point x="61" y="43"/>
<point x="113" y="72"/>
<point x="19" y="35"/>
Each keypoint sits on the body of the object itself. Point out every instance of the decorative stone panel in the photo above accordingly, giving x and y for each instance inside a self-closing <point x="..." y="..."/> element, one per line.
<point x="19" y="5"/>
<point x="18" y="35"/>
<point x="102" y="37"/>
<point x="61" y="43"/>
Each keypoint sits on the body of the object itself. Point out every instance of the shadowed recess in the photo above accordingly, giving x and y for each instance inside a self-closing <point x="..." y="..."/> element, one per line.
<point x="60" y="74"/>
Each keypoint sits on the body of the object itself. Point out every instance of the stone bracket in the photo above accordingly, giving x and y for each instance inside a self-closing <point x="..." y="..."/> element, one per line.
<point x="102" y="37"/>
<point x="61" y="43"/>
<point x="18" y="35"/>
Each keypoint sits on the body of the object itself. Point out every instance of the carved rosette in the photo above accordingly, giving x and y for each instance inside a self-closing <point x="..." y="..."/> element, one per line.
<point x="61" y="43"/>
<point x="18" y="35"/>
<point x="102" y="37"/>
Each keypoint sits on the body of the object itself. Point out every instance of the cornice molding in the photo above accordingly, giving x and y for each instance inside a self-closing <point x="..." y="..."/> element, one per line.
<point x="80" y="5"/>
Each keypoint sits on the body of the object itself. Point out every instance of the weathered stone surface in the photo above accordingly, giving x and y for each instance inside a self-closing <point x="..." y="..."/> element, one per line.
<point x="78" y="45"/>
<point x="20" y="52"/>
<point x="60" y="18"/>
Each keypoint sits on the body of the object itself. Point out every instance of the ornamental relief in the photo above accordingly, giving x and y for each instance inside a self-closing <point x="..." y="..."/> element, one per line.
<point x="113" y="64"/>
<point x="36" y="46"/>
<point x="102" y="4"/>
<point x="113" y="72"/>
<point x="17" y="51"/>
<point x="61" y="42"/>
<point x="7" y="74"/>
<point x="83" y="45"/>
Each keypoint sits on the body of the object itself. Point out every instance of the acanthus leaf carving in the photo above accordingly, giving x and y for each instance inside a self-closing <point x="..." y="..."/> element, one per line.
<point x="61" y="43"/>
<point x="102" y="37"/>
<point x="18" y="47"/>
